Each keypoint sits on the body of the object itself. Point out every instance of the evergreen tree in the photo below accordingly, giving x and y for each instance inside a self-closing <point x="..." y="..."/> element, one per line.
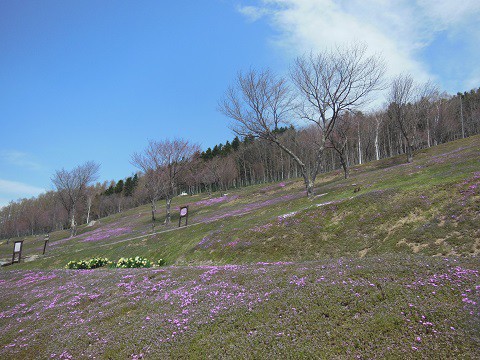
<point x="119" y="187"/>
<point x="227" y="149"/>
<point x="111" y="189"/>
<point x="207" y="155"/>
<point x="236" y="143"/>
<point x="216" y="151"/>
<point x="128" y="187"/>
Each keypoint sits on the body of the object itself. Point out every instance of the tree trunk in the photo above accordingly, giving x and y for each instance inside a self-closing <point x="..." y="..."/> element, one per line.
<point x="309" y="182"/>
<point x="360" y="159"/>
<point x="153" y="210"/>
<point x="89" y="206"/>
<point x="309" y="185"/>
<point x="346" y="171"/>
<point x="461" y="117"/>
<point x="428" y="133"/>
<point x="409" y="152"/>
<point x="167" y="210"/>
<point x="73" y="225"/>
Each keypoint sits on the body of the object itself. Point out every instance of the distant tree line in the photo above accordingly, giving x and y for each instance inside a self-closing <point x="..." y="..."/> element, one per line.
<point x="360" y="137"/>
<point x="269" y="146"/>
<point x="47" y="212"/>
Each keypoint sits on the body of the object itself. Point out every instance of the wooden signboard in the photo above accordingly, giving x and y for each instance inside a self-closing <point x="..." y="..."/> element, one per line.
<point x="47" y="237"/>
<point x="17" y="249"/>
<point x="183" y="214"/>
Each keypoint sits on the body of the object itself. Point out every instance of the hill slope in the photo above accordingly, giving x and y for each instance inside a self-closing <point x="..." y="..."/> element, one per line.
<point x="430" y="207"/>
<point x="391" y="271"/>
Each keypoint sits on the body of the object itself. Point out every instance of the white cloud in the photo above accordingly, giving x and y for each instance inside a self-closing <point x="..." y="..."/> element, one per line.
<point x="253" y="13"/>
<point x="20" y="159"/>
<point x="449" y="13"/>
<point x="19" y="189"/>
<point x="401" y="31"/>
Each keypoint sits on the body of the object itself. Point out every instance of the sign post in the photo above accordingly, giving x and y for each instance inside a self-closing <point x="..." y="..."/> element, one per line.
<point x="183" y="214"/>
<point x="47" y="237"/>
<point x="17" y="249"/>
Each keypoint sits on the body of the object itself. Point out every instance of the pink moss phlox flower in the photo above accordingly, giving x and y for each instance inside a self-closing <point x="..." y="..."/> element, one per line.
<point x="298" y="281"/>
<point x="105" y="233"/>
<point x="213" y="201"/>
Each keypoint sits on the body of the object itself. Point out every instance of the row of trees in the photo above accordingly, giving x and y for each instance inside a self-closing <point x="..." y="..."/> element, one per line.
<point x="320" y="90"/>
<point x="75" y="200"/>
<point x="292" y="127"/>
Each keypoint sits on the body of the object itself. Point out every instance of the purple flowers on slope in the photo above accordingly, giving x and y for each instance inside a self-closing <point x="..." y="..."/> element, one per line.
<point x="105" y="233"/>
<point x="172" y="304"/>
<point x="214" y="201"/>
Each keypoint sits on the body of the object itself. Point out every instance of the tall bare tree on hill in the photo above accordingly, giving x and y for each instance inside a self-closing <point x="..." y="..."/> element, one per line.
<point x="71" y="186"/>
<point x="408" y="103"/>
<point x="163" y="163"/>
<point x="259" y="103"/>
<point x="328" y="85"/>
<point x="331" y="84"/>
<point x="339" y="138"/>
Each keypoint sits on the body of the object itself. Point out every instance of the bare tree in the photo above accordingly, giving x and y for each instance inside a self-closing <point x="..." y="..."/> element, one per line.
<point x="378" y="117"/>
<point x="163" y="163"/>
<point x="408" y="103"/>
<point x="71" y="186"/>
<point x="333" y="83"/>
<point x="90" y="194"/>
<point x="222" y="171"/>
<point x="259" y="102"/>
<point x="328" y="84"/>
<point x="338" y="140"/>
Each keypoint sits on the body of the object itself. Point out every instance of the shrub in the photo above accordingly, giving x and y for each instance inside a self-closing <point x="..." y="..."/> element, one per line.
<point x="93" y="263"/>
<point x="76" y="264"/>
<point x="136" y="262"/>
<point x="161" y="262"/>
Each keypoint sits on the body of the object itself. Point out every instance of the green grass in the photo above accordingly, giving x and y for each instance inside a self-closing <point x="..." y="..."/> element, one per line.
<point x="391" y="271"/>
<point x="416" y="307"/>
<point x="426" y="207"/>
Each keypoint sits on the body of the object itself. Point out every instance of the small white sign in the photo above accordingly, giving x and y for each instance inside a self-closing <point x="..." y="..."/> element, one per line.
<point x="183" y="211"/>
<point x="18" y="247"/>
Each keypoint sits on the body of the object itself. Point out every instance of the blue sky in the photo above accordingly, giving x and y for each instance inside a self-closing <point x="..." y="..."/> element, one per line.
<point x="94" y="80"/>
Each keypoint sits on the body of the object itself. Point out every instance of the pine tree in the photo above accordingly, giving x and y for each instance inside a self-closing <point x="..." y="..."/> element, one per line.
<point x="207" y="155"/>
<point x="215" y="151"/>
<point x="128" y="188"/>
<point x="236" y="143"/>
<point x="119" y="187"/>
<point x="111" y="189"/>
<point x="227" y="149"/>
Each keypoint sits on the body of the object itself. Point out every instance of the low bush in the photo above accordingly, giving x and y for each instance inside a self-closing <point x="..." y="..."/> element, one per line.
<point x="93" y="263"/>
<point x="133" y="262"/>
<point x="161" y="262"/>
<point x="136" y="262"/>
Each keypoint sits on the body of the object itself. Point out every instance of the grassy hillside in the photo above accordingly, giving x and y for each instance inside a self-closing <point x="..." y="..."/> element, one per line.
<point x="415" y="307"/>
<point x="430" y="207"/>
<point x="390" y="271"/>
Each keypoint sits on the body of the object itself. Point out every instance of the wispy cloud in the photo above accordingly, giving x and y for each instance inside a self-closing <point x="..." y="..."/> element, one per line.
<point x="20" y="159"/>
<point x="20" y="189"/>
<point x="401" y="31"/>
<point x="450" y="14"/>
<point x="253" y="13"/>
